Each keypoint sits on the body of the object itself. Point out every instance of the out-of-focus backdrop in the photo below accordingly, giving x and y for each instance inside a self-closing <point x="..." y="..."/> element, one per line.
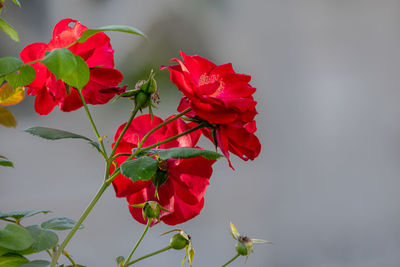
<point x="326" y="187"/>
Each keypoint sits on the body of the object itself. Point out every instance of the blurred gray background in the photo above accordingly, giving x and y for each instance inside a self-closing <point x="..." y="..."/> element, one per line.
<point x="326" y="186"/>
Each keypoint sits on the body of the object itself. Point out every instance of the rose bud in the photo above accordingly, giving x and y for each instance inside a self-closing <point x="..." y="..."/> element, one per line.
<point x="178" y="241"/>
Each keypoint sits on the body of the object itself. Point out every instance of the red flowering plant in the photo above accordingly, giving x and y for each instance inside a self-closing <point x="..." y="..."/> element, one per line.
<point x="154" y="164"/>
<point x="96" y="52"/>
<point x="178" y="184"/>
<point x="223" y="98"/>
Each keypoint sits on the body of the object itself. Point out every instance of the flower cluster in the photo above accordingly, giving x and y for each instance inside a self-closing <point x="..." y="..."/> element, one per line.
<point x="179" y="184"/>
<point x="97" y="53"/>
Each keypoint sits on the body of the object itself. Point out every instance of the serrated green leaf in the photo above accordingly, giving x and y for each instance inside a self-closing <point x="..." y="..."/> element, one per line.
<point x="42" y="239"/>
<point x="9" y="65"/>
<point x="59" y="224"/>
<point x="139" y="169"/>
<point x="116" y="28"/>
<point x="12" y="260"/>
<point x="36" y="263"/>
<point x="20" y="214"/>
<point x="26" y="74"/>
<point x="17" y="3"/>
<point x="15" y="237"/>
<point x="187" y="152"/>
<point x="61" y="62"/>
<point x="70" y="68"/>
<point x="80" y="77"/>
<point x="55" y="134"/>
<point x="9" y="30"/>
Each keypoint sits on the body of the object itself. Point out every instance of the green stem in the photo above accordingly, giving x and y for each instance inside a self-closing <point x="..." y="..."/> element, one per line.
<point x="117" y="171"/>
<point x="231" y="260"/>
<point x="78" y="223"/>
<point x="99" y="138"/>
<point x="8" y="220"/>
<point x="66" y="254"/>
<point x="149" y="255"/>
<point x="162" y="124"/>
<point x="201" y="125"/>
<point x="138" y="242"/>
<point x="133" y="114"/>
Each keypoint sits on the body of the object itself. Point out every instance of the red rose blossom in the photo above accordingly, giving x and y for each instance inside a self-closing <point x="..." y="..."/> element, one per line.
<point x="187" y="179"/>
<point x="98" y="54"/>
<point x="222" y="97"/>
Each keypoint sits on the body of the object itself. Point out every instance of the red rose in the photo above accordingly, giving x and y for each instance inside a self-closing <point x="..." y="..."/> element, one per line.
<point x="98" y="54"/>
<point x="222" y="97"/>
<point x="187" y="179"/>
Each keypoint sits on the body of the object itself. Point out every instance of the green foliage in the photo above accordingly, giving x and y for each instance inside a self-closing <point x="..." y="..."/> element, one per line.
<point x="42" y="239"/>
<point x="116" y="28"/>
<point x="25" y="75"/>
<point x="119" y="260"/>
<point x="187" y="152"/>
<point x="6" y="163"/>
<point x="20" y="214"/>
<point x="9" y="65"/>
<point x="59" y="223"/>
<point x="55" y="134"/>
<point x="36" y="263"/>
<point x="139" y="169"/>
<point x="70" y="68"/>
<point x="12" y="260"/>
<point x="15" y="237"/>
<point x="9" y="30"/>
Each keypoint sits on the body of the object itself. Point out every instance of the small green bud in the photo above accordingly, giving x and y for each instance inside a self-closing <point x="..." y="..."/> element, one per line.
<point x="151" y="210"/>
<point x="141" y="100"/>
<point x="241" y="249"/>
<point x="178" y="242"/>
<point x="244" y="246"/>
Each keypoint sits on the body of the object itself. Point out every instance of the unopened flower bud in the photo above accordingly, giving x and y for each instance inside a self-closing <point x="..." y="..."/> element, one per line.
<point x="178" y="241"/>
<point x="151" y="210"/>
<point x="244" y="246"/>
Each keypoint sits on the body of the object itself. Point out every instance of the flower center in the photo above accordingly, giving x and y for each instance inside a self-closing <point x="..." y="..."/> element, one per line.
<point x="211" y="79"/>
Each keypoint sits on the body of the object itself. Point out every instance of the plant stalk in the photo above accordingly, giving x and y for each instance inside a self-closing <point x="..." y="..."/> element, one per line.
<point x="149" y="255"/>
<point x="231" y="260"/>
<point x="137" y="243"/>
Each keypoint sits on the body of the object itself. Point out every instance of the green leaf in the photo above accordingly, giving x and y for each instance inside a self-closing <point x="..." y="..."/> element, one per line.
<point x="9" y="65"/>
<point x="116" y="28"/>
<point x="20" y="214"/>
<point x="59" y="223"/>
<point x="139" y="169"/>
<point x="17" y="3"/>
<point x="187" y="152"/>
<point x="70" y="68"/>
<point x="42" y="239"/>
<point x="12" y="260"/>
<point x="55" y="134"/>
<point x="26" y="74"/>
<point x="36" y="263"/>
<point x="15" y="237"/>
<point x="5" y="162"/>
<point x="7" y="119"/>
<point x="146" y="152"/>
<point x="9" y="30"/>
